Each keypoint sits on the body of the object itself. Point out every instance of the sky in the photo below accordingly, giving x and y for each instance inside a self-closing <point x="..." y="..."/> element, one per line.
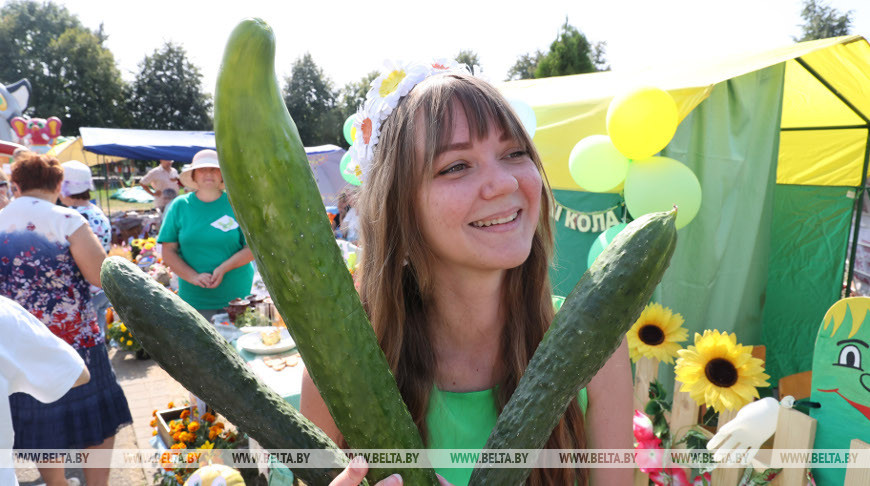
<point x="349" y="39"/>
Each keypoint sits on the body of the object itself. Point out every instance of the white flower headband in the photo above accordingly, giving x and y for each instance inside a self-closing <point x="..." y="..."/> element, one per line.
<point x="396" y="81"/>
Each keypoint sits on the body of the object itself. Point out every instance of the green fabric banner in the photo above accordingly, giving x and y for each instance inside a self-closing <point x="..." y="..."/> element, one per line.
<point x="807" y="262"/>
<point x="718" y="274"/>
<point x="579" y="217"/>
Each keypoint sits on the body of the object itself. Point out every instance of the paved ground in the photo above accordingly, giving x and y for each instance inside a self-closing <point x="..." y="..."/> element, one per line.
<point x="148" y="388"/>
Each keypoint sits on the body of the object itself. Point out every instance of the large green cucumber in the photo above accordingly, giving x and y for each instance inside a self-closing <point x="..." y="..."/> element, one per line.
<point x="278" y="205"/>
<point x="184" y="344"/>
<point x="588" y="328"/>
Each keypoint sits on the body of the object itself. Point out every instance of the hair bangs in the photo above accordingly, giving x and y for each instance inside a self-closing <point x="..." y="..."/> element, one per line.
<point x="483" y="106"/>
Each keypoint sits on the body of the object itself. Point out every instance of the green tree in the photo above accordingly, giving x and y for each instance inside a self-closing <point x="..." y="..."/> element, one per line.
<point x="525" y="66"/>
<point x="311" y="101"/>
<point x="86" y="86"/>
<point x="469" y="58"/>
<point x="571" y="53"/>
<point x="822" y="21"/>
<point x="73" y="75"/>
<point x="167" y="93"/>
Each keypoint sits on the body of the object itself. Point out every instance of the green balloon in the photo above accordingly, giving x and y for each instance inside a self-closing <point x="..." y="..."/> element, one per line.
<point x="345" y="173"/>
<point x="602" y="241"/>
<point x="596" y="165"/>
<point x="660" y="183"/>
<point x="348" y="129"/>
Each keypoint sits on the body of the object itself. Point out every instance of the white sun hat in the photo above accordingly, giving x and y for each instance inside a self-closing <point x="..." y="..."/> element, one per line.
<point x="202" y="160"/>
<point x="76" y="178"/>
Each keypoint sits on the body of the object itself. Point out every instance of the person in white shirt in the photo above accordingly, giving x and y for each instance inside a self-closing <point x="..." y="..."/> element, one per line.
<point x="32" y="361"/>
<point x="162" y="183"/>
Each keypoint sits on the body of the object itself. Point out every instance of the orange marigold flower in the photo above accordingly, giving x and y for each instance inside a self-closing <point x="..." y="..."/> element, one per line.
<point x="185" y="414"/>
<point x="171" y="405"/>
<point x="154" y="413"/>
<point x="153" y="433"/>
<point x="180" y="445"/>
<point x="176" y="437"/>
<point x="154" y="422"/>
<point x="208" y="417"/>
<point x="188" y="437"/>
<point x="193" y="426"/>
<point x="219" y="425"/>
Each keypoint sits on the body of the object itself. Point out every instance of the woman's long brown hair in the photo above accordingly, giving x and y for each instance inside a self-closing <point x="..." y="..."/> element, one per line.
<point x="396" y="278"/>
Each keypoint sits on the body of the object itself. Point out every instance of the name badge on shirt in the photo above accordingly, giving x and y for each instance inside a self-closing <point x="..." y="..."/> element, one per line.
<point x="225" y="223"/>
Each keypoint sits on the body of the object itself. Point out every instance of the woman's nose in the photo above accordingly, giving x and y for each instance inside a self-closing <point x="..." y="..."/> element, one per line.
<point x="499" y="180"/>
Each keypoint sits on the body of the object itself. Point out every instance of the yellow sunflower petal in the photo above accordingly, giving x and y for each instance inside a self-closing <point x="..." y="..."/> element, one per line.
<point x="669" y="326"/>
<point x="691" y="370"/>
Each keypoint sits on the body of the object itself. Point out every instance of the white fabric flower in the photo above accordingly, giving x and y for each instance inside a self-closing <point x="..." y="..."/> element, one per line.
<point x="367" y="123"/>
<point x="396" y="80"/>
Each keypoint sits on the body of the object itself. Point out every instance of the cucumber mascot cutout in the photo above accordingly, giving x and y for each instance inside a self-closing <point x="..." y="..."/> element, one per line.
<point x="841" y="381"/>
<point x="840" y="390"/>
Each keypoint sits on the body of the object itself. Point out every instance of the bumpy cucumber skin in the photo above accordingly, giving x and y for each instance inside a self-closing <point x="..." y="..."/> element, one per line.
<point x="278" y="205"/>
<point x="184" y="344"/>
<point x="586" y="331"/>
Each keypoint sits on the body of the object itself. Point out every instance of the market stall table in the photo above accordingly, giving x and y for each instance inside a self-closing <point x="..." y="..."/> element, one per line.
<point x="288" y="384"/>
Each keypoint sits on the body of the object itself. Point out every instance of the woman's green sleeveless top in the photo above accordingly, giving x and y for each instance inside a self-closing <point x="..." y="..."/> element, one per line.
<point x="464" y="421"/>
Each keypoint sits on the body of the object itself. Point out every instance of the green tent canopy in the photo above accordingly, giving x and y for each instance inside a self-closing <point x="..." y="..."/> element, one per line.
<point x="779" y="142"/>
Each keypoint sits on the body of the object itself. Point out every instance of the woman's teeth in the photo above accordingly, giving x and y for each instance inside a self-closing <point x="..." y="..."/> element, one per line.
<point x="506" y="219"/>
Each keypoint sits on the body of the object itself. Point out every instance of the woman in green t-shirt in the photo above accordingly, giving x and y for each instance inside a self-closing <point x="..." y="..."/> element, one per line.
<point x="456" y="245"/>
<point x="202" y="242"/>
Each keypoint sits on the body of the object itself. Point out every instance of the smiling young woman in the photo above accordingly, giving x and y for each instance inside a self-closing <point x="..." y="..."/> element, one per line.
<point x="457" y="241"/>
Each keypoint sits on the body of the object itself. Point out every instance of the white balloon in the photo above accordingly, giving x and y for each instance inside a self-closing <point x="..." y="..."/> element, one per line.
<point x="526" y="114"/>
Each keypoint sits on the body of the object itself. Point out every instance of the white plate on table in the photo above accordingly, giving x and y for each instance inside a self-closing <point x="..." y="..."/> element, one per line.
<point x="251" y="342"/>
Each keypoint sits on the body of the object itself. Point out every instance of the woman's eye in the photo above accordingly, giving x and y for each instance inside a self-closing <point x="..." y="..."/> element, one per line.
<point x="850" y="356"/>
<point x="452" y="169"/>
<point x="518" y="154"/>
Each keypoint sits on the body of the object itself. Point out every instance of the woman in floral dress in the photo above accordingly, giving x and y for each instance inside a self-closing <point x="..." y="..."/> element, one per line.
<point x="48" y="258"/>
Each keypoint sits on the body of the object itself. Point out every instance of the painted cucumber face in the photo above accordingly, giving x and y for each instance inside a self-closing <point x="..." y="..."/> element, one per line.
<point x="841" y="380"/>
<point x="841" y="361"/>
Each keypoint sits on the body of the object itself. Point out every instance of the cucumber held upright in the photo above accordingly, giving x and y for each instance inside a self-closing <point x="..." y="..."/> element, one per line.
<point x="584" y="334"/>
<point x="277" y="203"/>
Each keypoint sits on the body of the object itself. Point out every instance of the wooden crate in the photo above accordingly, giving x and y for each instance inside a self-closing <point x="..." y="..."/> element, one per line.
<point x="163" y="419"/>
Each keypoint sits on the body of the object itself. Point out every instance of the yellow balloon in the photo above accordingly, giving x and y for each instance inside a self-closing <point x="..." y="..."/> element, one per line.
<point x="642" y="122"/>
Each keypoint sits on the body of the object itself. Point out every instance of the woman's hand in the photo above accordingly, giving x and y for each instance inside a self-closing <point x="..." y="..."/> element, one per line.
<point x="357" y="469"/>
<point x="202" y="280"/>
<point x="217" y="276"/>
<point x="241" y="257"/>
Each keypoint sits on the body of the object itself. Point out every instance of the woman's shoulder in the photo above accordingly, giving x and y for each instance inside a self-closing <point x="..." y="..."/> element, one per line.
<point x="183" y="200"/>
<point x="34" y="207"/>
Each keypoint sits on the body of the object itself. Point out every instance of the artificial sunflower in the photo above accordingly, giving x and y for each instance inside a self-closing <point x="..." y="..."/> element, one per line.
<point x="718" y="372"/>
<point x="655" y="334"/>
